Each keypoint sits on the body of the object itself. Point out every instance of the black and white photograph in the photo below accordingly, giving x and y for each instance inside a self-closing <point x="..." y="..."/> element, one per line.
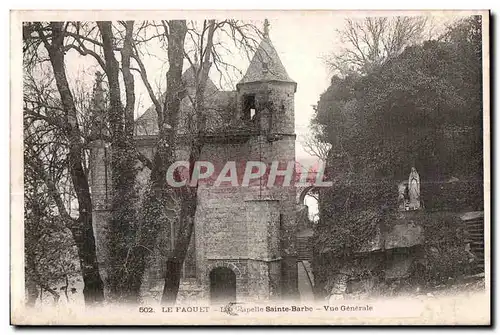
<point x="291" y="167"/>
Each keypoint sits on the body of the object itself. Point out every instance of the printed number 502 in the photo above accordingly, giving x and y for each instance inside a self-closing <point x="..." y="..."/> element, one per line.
<point x="146" y="310"/>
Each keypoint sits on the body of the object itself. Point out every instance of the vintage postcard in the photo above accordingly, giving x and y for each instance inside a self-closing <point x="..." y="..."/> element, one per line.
<point x="250" y="168"/>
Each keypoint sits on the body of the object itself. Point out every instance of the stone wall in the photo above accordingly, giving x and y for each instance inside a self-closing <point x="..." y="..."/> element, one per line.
<point x="100" y="187"/>
<point x="222" y="227"/>
<point x="253" y="228"/>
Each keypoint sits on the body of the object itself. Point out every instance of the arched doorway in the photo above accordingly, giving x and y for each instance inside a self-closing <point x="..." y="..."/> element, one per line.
<point x="222" y="285"/>
<point x="309" y="197"/>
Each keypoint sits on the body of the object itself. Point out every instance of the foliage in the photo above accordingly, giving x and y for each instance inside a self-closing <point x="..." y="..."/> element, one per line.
<point x="421" y="108"/>
<point x="445" y="247"/>
<point x="50" y="253"/>
<point x="351" y="235"/>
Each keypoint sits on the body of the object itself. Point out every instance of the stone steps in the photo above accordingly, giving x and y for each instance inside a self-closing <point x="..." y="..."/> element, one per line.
<point x="304" y="249"/>
<point x="474" y="235"/>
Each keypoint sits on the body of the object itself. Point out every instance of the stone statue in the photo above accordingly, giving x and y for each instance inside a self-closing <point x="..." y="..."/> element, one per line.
<point x="414" y="189"/>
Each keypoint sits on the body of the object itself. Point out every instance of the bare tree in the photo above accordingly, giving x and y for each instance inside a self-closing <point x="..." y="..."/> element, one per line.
<point x="242" y="35"/>
<point x="122" y="226"/>
<point x="207" y="48"/>
<point x="49" y="245"/>
<point x="51" y="36"/>
<point x="316" y="147"/>
<point x="370" y="41"/>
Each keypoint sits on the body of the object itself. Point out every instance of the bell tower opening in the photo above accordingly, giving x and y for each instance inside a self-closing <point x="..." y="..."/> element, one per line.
<point x="249" y="110"/>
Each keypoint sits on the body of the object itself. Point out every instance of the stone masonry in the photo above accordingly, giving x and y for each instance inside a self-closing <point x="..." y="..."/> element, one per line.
<point x="249" y="230"/>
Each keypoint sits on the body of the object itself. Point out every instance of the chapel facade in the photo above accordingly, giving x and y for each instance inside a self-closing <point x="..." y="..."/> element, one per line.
<point x="243" y="247"/>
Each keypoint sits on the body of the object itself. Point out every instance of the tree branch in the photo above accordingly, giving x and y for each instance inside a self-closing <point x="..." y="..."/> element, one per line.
<point x="145" y="80"/>
<point x="144" y="160"/>
<point x="51" y="186"/>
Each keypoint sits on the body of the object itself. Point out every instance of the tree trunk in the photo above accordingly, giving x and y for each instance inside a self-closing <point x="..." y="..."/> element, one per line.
<point x="30" y="280"/>
<point x="158" y="197"/>
<point x="172" y="280"/>
<point x="189" y="194"/>
<point x="182" y="239"/>
<point x="165" y="149"/>
<point x="122" y="227"/>
<point x="117" y="230"/>
<point x="82" y="233"/>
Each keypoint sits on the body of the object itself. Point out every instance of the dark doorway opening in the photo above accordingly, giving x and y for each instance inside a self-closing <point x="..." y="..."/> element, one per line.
<point x="222" y="286"/>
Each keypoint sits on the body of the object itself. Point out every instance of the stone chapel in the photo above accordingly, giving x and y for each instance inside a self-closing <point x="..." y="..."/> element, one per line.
<point x="243" y="247"/>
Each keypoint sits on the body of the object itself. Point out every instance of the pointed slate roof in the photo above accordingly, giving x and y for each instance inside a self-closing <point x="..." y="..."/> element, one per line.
<point x="266" y="65"/>
<point x="189" y="79"/>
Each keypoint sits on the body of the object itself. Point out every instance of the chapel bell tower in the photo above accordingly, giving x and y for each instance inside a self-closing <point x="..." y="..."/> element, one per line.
<point x="266" y="92"/>
<point x="266" y="100"/>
